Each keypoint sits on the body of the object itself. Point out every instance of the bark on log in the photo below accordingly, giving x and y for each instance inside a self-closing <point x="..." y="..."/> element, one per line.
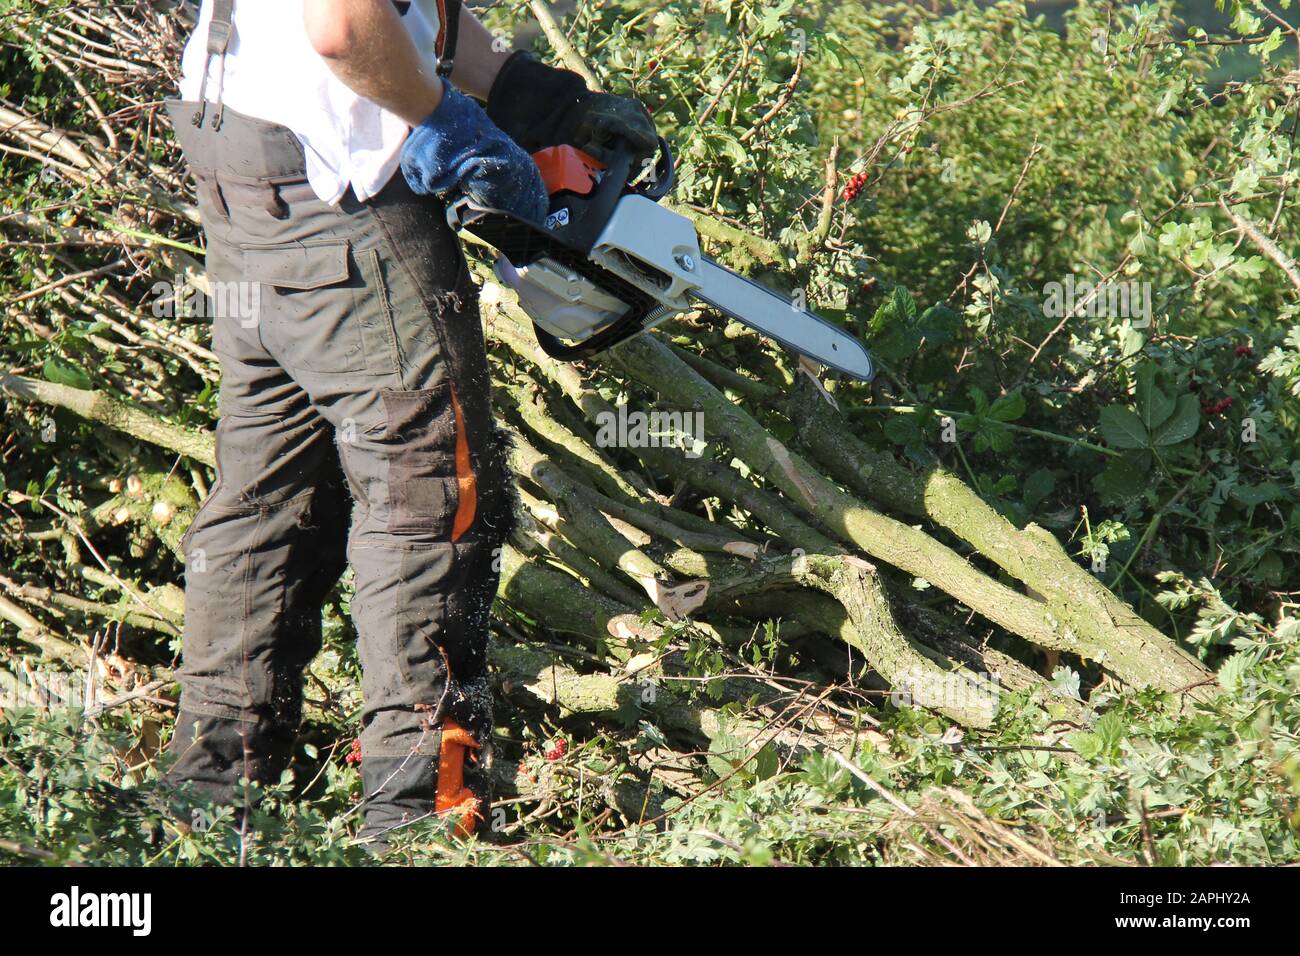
<point x="1110" y="632"/>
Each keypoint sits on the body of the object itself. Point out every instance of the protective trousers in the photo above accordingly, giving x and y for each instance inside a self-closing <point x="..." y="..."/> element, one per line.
<point x="352" y="361"/>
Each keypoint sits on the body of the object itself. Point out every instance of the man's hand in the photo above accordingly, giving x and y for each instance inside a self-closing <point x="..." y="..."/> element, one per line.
<point x="457" y="150"/>
<point x="541" y="106"/>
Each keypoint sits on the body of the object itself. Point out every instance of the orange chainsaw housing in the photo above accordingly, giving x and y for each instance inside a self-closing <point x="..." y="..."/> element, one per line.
<point x="567" y="169"/>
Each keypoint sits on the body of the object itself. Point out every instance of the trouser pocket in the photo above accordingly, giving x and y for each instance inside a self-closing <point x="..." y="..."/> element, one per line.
<point x="309" y="298"/>
<point x="325" y="306"/>
<point x="421" y="437"/>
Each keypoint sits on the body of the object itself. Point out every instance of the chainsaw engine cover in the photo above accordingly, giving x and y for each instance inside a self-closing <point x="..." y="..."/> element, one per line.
<point x="560" y="300"/>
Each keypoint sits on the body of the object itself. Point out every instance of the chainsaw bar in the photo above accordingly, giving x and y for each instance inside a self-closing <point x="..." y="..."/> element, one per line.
<point x="773" y="315"/>
<point x="614" y="243"/>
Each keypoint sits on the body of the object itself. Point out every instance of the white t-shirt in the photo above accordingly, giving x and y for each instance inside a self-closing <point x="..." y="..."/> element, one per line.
<point x="273" y="74"/>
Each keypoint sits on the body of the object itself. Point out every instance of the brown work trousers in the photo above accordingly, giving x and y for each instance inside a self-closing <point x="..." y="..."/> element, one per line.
<point x="354" y="385"/>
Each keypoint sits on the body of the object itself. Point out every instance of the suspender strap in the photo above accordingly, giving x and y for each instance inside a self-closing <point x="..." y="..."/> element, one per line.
<point x="219" y="30"/>
<point x="218" y="43"/>
<point x="448" y="27"/>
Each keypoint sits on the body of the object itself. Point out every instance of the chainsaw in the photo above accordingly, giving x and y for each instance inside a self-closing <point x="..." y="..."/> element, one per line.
<point x="610" y="262"/>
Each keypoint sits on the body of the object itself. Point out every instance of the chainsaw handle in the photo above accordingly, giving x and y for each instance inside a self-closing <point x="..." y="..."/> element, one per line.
<point x="663" y="176"/>
<point x="456" y="210"/>
<point x="599" y="206"/>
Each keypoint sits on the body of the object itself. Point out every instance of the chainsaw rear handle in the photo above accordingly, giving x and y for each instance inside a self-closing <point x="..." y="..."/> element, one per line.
<point x="596" y="206"/>
<point x="585" y="215"/>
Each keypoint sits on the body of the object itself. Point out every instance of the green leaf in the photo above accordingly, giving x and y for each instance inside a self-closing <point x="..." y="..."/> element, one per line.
<point x="1066" y="682"/>
<point x="999" y="438"/>
<point x="893" y="331"/>
<point x="1142" y="245"/>
<point x="1234" y="669"/>
<point x="1004" y="485"/>
<point x="1252" y="495"/>
<point x="898" y="309"/>
<point x="904" y="430"/>
<point x="766" y="763"/>
<point x="1008" y="408"/>
<point x="896" y="343"/>
<point x="1086" y="745"/>
<point x="59" y="372"/>
<point x="1122" y="480"/>
<point x="1154" y="406"/>
<point x="939" y="324"/>
<point x="1182" y="425"/>
<point x="1123" y="428"/>
<point x="1038" y="486"/>
<point x="1131" y="342"/>
<point x="1111" y="729"/>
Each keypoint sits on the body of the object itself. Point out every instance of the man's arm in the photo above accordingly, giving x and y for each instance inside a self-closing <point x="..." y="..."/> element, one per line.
<point x="477" y="61"/>
<point x="367" y="47"/>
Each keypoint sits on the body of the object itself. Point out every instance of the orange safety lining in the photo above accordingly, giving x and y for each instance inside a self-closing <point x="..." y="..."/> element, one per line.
<point x="567" y="168"/>
<point x="452" y="794"/>
<point x="467" y="500"/>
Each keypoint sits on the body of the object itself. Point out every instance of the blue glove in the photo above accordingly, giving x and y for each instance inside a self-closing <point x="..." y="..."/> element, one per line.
<point x="458" y="150"/>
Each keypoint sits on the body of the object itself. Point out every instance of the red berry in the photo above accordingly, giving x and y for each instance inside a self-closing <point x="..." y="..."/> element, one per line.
<point x="1243" y="350"/>
<point x="354" y="755"/>
<point x="853" y="188"/>
<point x="556" y="749"/>
<point x="1217" y="408"/>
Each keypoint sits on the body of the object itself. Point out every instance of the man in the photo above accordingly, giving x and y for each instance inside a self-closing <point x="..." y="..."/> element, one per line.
<point x="324" y="137"/>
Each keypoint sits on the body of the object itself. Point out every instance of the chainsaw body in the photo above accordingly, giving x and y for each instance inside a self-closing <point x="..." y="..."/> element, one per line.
<point x="609" y="262"/>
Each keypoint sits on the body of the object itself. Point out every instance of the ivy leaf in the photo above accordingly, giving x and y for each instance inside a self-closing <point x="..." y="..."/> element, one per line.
<point x="1182" y="425"/>
<point x="1123" y="428"/>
